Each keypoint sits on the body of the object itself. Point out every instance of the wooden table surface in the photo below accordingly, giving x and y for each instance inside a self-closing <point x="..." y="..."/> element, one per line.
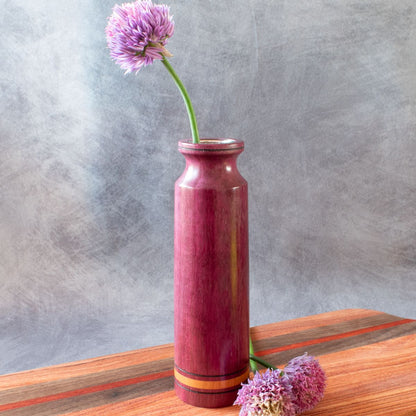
<point x="369" y="358"/>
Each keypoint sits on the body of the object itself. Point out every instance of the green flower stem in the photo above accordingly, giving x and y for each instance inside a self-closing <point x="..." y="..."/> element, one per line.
<point x="254" y="359"/>
<point x="253" y="363"/>
<point x="185" y="96"/>
<point x="262" y="362"/>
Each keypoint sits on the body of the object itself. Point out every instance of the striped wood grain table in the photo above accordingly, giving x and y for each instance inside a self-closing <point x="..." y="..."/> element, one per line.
<point x="369" y="358"/>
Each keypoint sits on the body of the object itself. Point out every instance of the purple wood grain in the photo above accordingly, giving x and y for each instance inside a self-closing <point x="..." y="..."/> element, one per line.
<point x="211" y="274"/>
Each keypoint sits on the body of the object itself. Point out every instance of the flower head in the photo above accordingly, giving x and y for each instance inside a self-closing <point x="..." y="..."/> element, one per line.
<point x="137" y="34"/>
<point x="307" y="379"/>
<point x="266" y="394"/>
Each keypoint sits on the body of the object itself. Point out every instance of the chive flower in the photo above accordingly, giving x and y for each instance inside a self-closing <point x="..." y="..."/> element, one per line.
<point x="266" y="394"/>
<point x="137" y="34"/>
<point x="307" y="379"/>
<point x="296" y="389"/>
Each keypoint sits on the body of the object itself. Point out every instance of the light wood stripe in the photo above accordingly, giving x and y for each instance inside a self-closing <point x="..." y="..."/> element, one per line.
<point x="210" y="384"/>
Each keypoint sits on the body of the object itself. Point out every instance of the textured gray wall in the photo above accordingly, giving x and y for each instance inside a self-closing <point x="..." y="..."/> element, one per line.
<point x="323" y="93"/>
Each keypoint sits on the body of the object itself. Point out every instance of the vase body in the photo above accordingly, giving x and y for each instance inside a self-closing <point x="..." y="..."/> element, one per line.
<point x="211" y="282"/>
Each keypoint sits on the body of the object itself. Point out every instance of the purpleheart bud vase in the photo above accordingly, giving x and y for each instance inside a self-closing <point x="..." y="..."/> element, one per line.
<point x="211" y="270"/>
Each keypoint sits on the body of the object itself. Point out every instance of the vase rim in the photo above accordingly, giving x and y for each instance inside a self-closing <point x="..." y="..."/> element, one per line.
<point x="211" y="145"/>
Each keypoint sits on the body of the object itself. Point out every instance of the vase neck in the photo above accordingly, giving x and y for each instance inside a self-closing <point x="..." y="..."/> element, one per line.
<point x="214" y="160"/>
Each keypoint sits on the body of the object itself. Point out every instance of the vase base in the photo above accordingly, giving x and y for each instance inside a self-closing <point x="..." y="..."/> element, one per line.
<point x="206" y="400"/>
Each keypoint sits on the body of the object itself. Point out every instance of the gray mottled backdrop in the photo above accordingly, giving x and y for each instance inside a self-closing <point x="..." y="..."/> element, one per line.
<point x="322" y="92"/>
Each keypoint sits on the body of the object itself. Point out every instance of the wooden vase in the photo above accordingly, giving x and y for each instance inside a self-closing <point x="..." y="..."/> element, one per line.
<point x="211" y="270"/>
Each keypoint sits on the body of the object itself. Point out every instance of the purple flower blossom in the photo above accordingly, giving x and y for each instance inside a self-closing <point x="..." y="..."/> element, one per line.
<point x="307" y="379"/>
<point x="267" y="394"/>
<point x="137" y="34"/>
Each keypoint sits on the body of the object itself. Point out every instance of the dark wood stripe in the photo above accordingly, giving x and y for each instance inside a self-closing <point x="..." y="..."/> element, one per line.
<point x="86" y="390"/>
<point x="341" y="344"/>
<point x="149" y="369"/>
<point x="333" y="337"/>
<point x="323" y="331"/>
<point x="92" y="400"/>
